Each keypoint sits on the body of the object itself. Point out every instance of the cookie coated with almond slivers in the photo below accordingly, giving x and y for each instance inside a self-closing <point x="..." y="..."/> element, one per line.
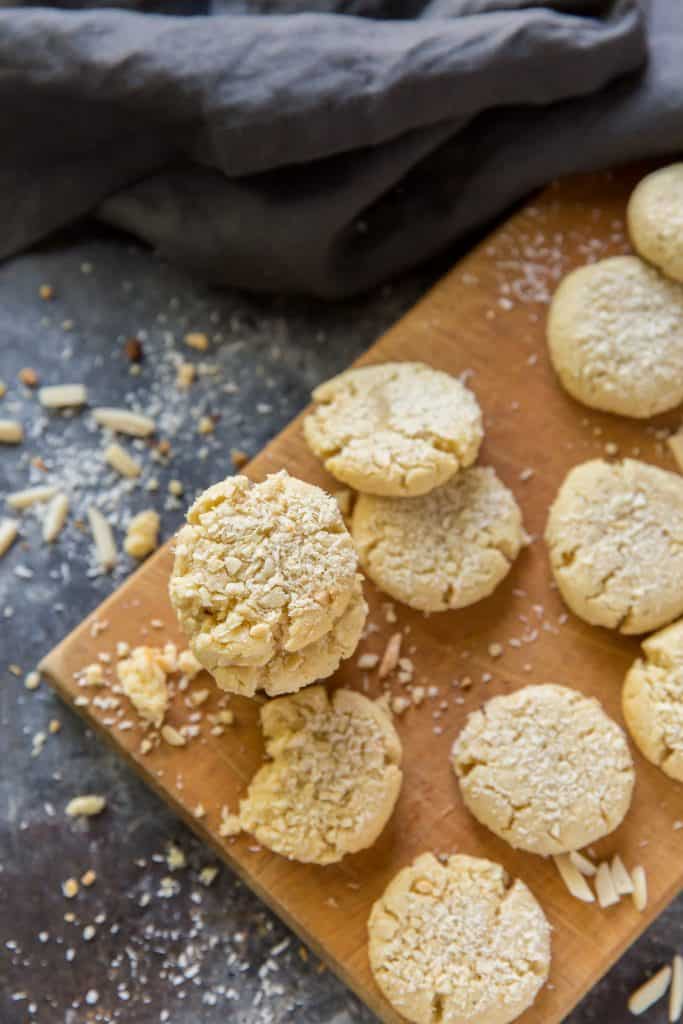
<point x="260" y="570"/>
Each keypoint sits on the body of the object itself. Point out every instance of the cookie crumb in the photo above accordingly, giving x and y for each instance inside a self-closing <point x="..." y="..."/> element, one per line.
<point x="70" y="888"/>
<point x="86" y="805"/>
<point x="171" y="736"/>
<point x="197" y="340"/>
<point x="32" y="680"/>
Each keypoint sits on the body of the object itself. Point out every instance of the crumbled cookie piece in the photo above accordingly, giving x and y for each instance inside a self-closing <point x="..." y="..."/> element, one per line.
<point x="142" y="535"/>
<point x="144" y="683"/>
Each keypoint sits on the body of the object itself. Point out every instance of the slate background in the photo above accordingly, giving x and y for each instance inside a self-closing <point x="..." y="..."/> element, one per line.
<point x="204" y="954"/>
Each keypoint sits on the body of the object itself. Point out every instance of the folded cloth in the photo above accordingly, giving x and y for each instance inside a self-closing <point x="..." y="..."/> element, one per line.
<point x="322" y="153"/>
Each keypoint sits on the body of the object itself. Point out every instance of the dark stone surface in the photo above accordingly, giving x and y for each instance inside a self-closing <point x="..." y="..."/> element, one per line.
<point x="193" y="954"/>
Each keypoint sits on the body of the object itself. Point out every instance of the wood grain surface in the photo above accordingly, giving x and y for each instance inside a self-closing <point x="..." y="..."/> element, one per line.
<point x="486" y="318"/>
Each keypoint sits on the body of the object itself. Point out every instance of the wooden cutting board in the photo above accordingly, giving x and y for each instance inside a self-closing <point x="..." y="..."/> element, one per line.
<point x="486" y="318"/>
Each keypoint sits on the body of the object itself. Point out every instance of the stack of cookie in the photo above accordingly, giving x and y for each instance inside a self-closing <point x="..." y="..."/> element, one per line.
<point x="265" y="584"/>
<point x="432" y="530"/>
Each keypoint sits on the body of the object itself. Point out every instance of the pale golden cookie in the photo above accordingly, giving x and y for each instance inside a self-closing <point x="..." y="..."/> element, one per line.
<point x="446" y="549"/>
<point x="333" y="778"/>
<point x="288" y="671"/>
<point x="545" y="769"/>
<point x="615" y="334"/>
<point x="615" y="538"/>
<point x="652" y="700"/>
<point x="458" y="943"/>
<point x="397" y="429"/>
<point x="655" y="219"/>
<point x="260" y="570"/>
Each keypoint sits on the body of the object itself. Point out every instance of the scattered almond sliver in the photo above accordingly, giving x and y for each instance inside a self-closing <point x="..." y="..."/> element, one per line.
<point x="103" y="537"/>
<point x="31" y="496"/>
<point x="8" y="534"/>
<point x="620" y="876"/>
<point x="649" y="993"/>
<point x="55" y="517"/>
<point x="676" y="997"/>
<point x="604" y="886"/>
<point x="123" y="421"/>
<point x="11" y="432"/>
<point x="582" y="864"/>
<point x="639" y="888"/>
<point x="573" y="879"/>
<point x="60" y="396"/>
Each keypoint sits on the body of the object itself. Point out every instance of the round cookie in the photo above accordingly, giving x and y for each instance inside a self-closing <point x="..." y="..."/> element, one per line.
<point x="615" y="335"/>
<point x="458" y="942"/>
<point x="446" y="549"/>
<point x="260" y="569"/>
<point x="288" y="671"/>
<point x="655" y="219"/>
<point x="333" y="778"/>
<point x="652" y="700"/>
<point x="545" y="769"/>
<point x="615" y="538"/>
<point x="398" y="429"/>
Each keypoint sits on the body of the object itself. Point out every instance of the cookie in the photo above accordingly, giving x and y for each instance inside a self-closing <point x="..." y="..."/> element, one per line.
<point x="545" y="769"/>
<point x="261" y="569"/>
<point x="458" y="942"/>
<point x="615" y="335"/>
<point x="288" y="671"/>
<point x="333" y="778"/>
<point x="655" y="219"/>
<point x="652" y="700"/>
<point x="398" y="429"/>
<point x="615" y="538"/>
<point x="446" y="549"/>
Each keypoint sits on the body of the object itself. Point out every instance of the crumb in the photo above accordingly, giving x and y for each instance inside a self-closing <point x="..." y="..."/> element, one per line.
<point x="29" y="377"/>
<point x="208" y="875"/>
<point x="197" y="340"/>
<point x="238" y="458"/>
<point x="70" y="888"/>
<point x="133" y="350"/>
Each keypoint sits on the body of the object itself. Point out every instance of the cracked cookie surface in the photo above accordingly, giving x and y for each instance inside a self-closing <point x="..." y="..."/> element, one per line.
<point x="458" y="942"/>
<point x="615" y="336"/>
<point x="397" y="429"/>
<point x="288" y="671"/>
<point x="446" y="549"/>
<point x="652" y="700"/>
<point x="544" y="768"/>
<point x="615" y="539"/>
<point x="260" y="570"/>
<point x="333" y="778"/>
<point x="655" y="219"/>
